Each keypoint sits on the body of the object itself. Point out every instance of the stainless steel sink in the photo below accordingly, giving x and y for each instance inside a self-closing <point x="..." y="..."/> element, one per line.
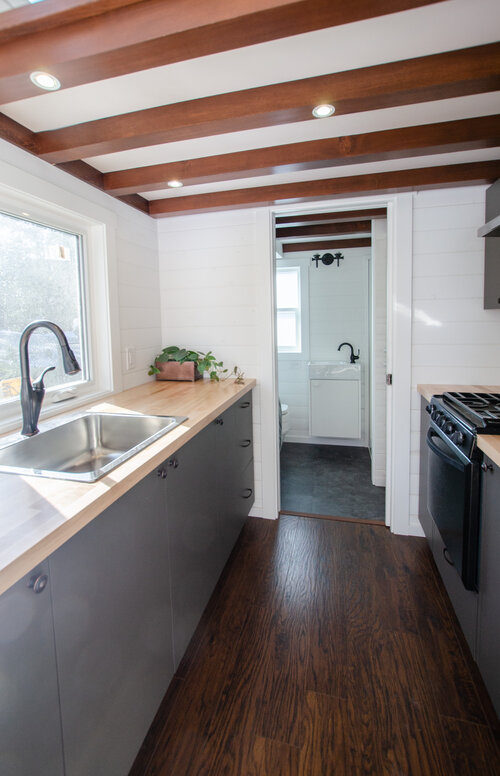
<point x="86" y="448"/>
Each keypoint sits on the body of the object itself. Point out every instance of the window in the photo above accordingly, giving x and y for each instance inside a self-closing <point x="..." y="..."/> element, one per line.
<point x="288" y="295"/>
<point x="53" y="266"/>
<point x="41" y="277"/>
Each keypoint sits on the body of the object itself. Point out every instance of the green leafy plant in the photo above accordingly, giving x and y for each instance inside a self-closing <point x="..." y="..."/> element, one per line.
<point x="206" y="362"/>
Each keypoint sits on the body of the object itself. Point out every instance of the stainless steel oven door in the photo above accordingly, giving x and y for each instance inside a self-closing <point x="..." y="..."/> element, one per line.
<point x="453" y="502"/>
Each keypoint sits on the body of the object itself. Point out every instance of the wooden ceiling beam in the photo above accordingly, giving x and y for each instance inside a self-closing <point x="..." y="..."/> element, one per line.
<point x="439" y="76"/>
<point x="36" y="18"/>
<point x="313" y="230"/>
<point x="327" y="245"/>
<point x="387" y="182"/>
<point x="134" y="36"/>
<point x="444" y="137"/>
<point x="339" y="215"/>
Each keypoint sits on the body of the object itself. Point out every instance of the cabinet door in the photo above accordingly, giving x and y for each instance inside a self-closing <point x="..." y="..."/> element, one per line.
<point x="192" y="501"/>
<point x="488" y="656"/>
<point x="336" y="408"/>
<point x="424" y="515"/>
<point x="234" y="472"/>
<point x="111" y="601"/>
<point x="30" y="725"/>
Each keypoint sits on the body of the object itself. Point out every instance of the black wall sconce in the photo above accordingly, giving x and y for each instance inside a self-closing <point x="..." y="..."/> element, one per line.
<point x="328" y="259"/>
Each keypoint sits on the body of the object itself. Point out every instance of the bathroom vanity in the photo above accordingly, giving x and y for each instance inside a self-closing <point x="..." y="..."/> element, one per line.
<point x="335" y="395"/>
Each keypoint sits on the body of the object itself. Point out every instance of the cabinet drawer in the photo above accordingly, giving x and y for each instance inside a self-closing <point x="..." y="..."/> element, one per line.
<point x="243" y="430"/>
<point x="464" y="602"/>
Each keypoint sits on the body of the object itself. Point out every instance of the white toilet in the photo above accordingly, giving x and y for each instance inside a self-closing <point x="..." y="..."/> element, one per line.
<point x="285" y="421"/>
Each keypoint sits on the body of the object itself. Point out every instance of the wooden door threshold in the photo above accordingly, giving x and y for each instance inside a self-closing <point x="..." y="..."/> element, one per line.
<point x="360" y="520"/>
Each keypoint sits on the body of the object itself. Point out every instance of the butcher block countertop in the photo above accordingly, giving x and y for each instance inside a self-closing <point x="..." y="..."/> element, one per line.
<point x="488" y="443"/>
<point x="37" y="515"/>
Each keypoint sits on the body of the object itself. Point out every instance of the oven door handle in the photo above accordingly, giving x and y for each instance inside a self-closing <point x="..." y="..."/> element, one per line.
<point x="446" y="458"/>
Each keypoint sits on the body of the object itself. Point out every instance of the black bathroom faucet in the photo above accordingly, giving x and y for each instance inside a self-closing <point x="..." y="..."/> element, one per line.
<point x="353" y="358"/>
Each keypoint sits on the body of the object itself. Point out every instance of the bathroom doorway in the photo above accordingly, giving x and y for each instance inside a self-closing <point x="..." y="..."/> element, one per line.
<point x="331" y="322"/>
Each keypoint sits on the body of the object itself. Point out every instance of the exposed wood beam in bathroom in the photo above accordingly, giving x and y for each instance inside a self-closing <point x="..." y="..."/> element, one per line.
<point x="438" y="76"/>
<point x="473" y="173"/>
<point x="340" y="215"/>
<point x="314" y="230"/>
<point x="447" y="136"/>
<point x="141" y="34"/>
<point x="327" y="245"/>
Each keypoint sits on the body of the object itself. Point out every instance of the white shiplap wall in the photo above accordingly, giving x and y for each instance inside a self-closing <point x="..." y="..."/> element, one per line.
<point x="212" y="294"/>
<point x="454" y="340"/>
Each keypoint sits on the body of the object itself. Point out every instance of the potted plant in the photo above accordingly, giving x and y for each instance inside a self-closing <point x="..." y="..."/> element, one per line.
<point x="175" y="363"/>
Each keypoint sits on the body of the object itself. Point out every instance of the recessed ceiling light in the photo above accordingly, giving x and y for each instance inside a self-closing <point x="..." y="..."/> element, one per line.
<point x="175" y="184"/>
<point x="323" y="111"/>
<point x="45" y="81"/>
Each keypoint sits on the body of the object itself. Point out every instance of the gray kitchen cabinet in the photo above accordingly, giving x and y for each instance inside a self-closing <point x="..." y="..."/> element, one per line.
<point x="209" y="493"/>
<point x="191" y="510"/>
<point x="234" y="472"/>
<point x="424" y="515"/>
<point x="30" y="726"/>
<point x="112" y="624"/>
<point x="488" y="642"/>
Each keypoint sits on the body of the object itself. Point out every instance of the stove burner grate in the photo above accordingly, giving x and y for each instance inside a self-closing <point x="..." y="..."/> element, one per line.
<point x="483" y="409"/>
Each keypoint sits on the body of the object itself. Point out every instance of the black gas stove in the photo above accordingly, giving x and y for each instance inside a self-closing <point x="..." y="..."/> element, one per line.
<point x="454" y="473"/>
<point x="459" y="417"/>
<point x="481" y="410"/>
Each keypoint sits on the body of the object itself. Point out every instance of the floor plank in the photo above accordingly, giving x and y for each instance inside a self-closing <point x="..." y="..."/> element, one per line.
<point x="327" y="648"/>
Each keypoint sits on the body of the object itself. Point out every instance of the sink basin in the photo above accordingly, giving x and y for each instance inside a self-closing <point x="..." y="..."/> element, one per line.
<point x="333" y="370"/>
<point x="87" y="447"/>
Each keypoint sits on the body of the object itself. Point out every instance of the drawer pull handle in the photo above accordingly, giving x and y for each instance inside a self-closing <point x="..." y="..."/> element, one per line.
<point x="174" y="463"/>
<point x="219" y="422"/>
<point x="246" y="443"/>
<point x="162" y="473"/>
<point x="38" y="583"/>
<point x="447" y="557"/>
<point x="244" y="405"/>
<point x="248" y="492"/>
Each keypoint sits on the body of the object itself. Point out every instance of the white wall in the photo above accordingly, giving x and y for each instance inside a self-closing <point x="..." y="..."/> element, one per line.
<point x="453" y="339"/>
<point x="213" y="294"/>
<point x="132" y="241"/>
<point x="338" y="312"/>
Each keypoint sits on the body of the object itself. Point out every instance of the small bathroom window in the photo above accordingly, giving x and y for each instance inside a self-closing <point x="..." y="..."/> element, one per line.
<point x="288" y="294"/>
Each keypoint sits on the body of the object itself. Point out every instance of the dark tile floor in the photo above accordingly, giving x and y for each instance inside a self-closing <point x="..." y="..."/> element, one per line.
<point x="329" y="480"/>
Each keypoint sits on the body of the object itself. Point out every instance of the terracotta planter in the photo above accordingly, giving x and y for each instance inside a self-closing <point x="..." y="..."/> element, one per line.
<point x="172" y="370"/>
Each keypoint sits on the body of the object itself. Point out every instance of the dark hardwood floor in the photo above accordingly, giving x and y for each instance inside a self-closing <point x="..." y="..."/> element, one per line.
<point x="327" y="648"/>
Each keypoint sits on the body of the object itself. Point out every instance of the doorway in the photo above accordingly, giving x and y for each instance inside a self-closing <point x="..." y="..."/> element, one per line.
<point x="331" y="323"/>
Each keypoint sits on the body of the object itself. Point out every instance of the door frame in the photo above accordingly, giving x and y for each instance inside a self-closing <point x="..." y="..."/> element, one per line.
<point x="399" y="317"/>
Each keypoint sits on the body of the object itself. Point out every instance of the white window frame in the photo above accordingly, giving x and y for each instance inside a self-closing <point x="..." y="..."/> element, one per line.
<point x="296" y="310"/>
<point x="97" y="243"/>
<point x="302" y="352"/>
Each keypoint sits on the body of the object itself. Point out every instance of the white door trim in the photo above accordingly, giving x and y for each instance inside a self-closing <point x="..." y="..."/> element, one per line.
<point x="399" y="310"/>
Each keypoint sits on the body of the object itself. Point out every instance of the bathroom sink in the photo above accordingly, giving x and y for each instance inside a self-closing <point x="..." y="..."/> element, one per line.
<point x="333" y="370"/>
<point x="87" y="447"/>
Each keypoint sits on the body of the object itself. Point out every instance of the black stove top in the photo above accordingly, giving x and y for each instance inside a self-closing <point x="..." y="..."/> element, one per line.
<point x="481" y="410"/>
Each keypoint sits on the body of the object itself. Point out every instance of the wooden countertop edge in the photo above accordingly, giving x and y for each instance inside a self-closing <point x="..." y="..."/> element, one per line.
<point x="488" y="443"/>
<point x="110" y="488"/>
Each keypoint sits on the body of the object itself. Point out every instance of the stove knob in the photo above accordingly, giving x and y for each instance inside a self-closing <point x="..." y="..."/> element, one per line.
<point x="442" y="421"/>
<point x="435" y="414"/>
<point x="449" y="428"/>
<point x="458" y="438"/>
